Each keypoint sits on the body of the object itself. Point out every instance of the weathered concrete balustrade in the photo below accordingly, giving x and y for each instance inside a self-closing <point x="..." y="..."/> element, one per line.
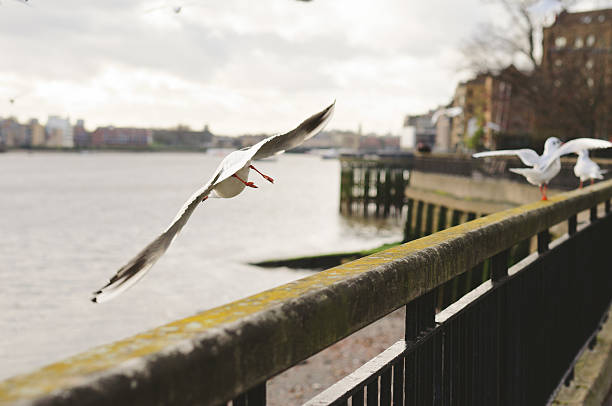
<point x="510" y="341"/>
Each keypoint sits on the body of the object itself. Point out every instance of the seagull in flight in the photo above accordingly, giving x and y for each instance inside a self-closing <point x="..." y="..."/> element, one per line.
<point x="26" y="2"/>
<point x="229" y="179"/>
<point x="586" y="169"/>
<point x="14" y="98"/>
<point x="175" y="9"/>
<point x="449" y="112"/>
<point x="546" y="166"/>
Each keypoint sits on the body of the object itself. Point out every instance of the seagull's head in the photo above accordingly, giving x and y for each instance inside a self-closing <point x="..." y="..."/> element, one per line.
<point x="552" y="144"/>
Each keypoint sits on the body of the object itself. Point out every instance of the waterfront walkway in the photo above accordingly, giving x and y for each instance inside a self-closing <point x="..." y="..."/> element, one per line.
<point x="511" y="340"/>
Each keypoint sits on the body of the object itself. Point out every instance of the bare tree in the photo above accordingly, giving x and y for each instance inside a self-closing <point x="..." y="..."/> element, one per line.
<point x="569" y="100"/>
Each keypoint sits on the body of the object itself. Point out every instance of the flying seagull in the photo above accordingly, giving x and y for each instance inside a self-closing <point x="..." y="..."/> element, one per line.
<point x="586" y="169"/>
<point x="546" y="166"/>
<point x="26" y="2"/>
<point x="229" y="179"/>
<point x="176" y="9"/>
<point x="13" y="99"/>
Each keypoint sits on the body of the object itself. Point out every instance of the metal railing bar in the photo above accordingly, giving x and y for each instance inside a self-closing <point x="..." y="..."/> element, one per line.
<point x="291" y="312"/>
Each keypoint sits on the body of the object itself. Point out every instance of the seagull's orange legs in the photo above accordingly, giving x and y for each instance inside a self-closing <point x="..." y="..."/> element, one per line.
<point x="592" y="181"/>
<point x="543" y="188"/>
<point x="266" y="177"/>
<point x="580" y="187"/>
<point x="249" y="184"/>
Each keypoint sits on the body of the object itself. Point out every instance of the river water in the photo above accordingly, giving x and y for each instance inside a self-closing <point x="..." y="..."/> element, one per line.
<point x="70" y="220"/>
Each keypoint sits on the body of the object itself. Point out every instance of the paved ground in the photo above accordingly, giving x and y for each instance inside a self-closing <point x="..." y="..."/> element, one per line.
<point x="300" y="383"/>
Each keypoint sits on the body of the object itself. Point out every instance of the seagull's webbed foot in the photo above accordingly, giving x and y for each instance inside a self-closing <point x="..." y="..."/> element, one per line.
<point x="266" y="177"/>
<point x="249" y="184"/>
<point x="543" y="191"/>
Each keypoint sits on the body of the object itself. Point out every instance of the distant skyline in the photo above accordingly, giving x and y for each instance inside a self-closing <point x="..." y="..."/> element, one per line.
<point x="239" y="66"/>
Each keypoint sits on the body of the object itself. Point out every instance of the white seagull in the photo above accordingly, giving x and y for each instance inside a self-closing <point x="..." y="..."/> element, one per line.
<point x="546" y="166"/>
<point x="229" y="179"/>
<point x="586" y="169"/>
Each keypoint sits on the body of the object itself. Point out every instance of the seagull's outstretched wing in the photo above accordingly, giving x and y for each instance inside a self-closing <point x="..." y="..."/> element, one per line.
<point x="528" y="156"/>
<point x="138" y="266"/>
<point x="575" y="146"/>
<point x="277" y="144"/>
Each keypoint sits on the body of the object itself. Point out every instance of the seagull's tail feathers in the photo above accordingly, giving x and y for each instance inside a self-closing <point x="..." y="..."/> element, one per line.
<point x="521" y="171"/>
<point x="597" y="175"/>
<point x="138" y="266"/>
<point x="603" y="171"/>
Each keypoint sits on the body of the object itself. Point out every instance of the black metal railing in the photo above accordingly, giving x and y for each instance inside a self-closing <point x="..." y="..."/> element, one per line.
<point x="511" y="340"/>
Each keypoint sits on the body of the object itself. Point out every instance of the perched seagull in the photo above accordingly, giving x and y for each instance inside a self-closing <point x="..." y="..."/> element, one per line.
<point x="586" y="169"/>
<point x="546" y="166"/>
<point x="229" y="179"/>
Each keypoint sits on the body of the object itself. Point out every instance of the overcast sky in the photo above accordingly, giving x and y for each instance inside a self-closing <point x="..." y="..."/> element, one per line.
<point x="241" y="66"/>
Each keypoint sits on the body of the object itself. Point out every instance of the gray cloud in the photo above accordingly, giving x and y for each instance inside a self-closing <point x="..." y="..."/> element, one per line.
<point x="234" y="57"/>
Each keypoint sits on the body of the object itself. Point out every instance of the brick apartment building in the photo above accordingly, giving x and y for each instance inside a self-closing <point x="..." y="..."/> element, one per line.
<point x="119" y="137"/>
<point x="577" y="54"/>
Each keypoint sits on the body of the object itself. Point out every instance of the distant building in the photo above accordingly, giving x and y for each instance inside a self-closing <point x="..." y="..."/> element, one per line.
<point x="578" y="47"/>
<point x="35" y="133"/>
<point x="121" y="137"/>
<point x="59" y="132"/>
<point x="488" y="106"/>
<point x="378" y="143"/>
<point x="183" y="137"/>
<point x="419" y="129"/>
<point x="12" y="133"/>
<point x="334" y="139"/>
<point x="81" y="137"/>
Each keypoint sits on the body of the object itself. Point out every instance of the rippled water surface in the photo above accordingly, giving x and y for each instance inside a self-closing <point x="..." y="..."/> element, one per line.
<point x="69" y="221"/>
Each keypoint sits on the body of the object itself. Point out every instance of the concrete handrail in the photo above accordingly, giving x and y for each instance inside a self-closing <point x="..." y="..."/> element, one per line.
<point x="217" y="354"/>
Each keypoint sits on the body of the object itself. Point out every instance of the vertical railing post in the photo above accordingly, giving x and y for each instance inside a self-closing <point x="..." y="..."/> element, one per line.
<point x="572" y="224"/>
<point x="607" y="205"/>
<point x="499" y="272"/>
<point x="543" y="241"/>
<point x="253" y="397"/>
<point x="419" y="373"/>
<point x="593" y="214"/>
<point x="499" y="266"/>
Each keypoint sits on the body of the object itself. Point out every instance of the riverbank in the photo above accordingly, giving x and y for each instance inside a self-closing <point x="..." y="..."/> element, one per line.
<point x="321" y="262"/>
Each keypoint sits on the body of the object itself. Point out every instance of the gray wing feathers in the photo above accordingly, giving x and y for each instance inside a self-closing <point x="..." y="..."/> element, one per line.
<point x="138" y="266"/>
<point x="307" y="129"/>
<point x="527" y="156"/>
<point x="575" y="145"/>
